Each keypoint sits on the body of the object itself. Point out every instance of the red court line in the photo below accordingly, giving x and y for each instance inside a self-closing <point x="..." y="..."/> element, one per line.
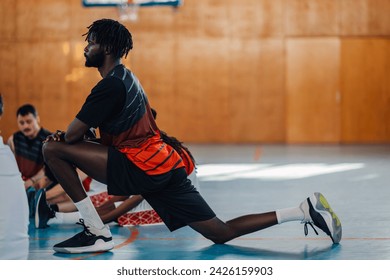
<point x="257" y="153"/>
<point x="271" y="238"/>
<point x="133" y="236"/>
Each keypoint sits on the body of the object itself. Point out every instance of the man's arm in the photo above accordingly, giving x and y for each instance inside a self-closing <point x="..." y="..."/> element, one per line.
<point x="10" y="143"/>
<point x="34" y="180"/>
<point x="76" y="131"/>
<point x="123" y="208"/>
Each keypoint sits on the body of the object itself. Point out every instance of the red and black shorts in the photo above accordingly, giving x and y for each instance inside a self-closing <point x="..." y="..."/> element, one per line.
<point x="171" y="194"/>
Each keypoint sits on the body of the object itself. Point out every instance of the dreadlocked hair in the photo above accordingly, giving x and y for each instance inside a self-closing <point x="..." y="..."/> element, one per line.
<point x="112" y="36"/>
<point x="176" y="144"/>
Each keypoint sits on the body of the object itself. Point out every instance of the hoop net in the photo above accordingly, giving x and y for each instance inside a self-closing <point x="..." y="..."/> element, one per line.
<point x="128" y="11"/>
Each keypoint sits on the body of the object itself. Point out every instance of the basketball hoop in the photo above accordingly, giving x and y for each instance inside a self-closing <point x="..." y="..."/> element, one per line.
<point x="128" y="11"/>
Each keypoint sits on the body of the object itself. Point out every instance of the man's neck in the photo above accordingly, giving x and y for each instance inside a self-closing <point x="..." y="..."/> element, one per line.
<point x="108" y="66"/>
<point x="35" y="134"/>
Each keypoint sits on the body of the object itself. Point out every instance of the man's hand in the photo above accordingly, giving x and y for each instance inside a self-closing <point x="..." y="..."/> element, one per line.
<point x="57" y="136"/>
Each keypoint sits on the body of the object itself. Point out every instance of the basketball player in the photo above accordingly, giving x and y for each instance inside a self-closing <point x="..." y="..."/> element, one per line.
<point x="133" y="159"/>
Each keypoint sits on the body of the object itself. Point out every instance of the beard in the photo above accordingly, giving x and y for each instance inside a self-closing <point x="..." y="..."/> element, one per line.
<point x="96" y="60"/>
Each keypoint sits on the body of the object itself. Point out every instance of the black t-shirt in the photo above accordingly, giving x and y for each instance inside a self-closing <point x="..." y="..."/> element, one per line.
<point x="119" y="107"/>
<point x="104" y="102"/>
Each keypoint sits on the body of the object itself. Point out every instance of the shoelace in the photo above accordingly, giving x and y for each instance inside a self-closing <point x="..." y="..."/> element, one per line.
<point x="86" y="229"/>
<point x="307" y="230"/>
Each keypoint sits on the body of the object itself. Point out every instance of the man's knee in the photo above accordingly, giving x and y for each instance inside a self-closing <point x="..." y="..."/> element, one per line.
<point x="214" y="229"/>
<point x="49" y="150"/>
<point x="217" y="239"/>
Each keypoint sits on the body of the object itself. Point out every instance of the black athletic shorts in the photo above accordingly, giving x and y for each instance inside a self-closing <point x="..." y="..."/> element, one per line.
<point x="171" y="195"/>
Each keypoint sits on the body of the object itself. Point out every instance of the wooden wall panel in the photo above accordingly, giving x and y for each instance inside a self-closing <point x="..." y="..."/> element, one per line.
<point x="44" y="86"/>
<point x="202" y="92"/>
<point x="256" y="87"/>
<point x="43" y="20"/>
<point x="209" y="57"/>
<point x="7" y="20"/>
<point x="313" y="90"/>
<point x="272" y="79"/>
<point x="365" y="17"/>
<point x="8" y="89"/>
<point x="365" y="84"/>
<point x="311" y="17"/>
<point x="214" y="20"/>
<point x="158" y="20"/>
<point x="263" y="18"/>
<point x="187" y="19"/>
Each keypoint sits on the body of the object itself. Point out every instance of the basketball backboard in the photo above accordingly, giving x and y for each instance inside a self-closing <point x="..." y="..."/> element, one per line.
<point x="94" y="3"/>
<point x="128" y="9"/>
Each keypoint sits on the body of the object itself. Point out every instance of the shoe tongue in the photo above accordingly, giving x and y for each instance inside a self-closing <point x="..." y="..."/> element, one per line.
<point x="104" y="231"/>
<point x="88" y="232"/>
<point x="90" y="227"/>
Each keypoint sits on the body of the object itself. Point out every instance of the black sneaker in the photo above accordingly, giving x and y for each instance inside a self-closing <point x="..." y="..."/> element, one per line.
<point x="86" y="242"/>
<point x="43" y="212"/>
<point x="30" y="192"/>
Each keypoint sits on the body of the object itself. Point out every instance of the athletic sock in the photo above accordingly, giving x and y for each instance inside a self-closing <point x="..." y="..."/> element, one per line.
<point x="90" y="215"/>
<point x="65" y="218"/>
<point x="289" y="214"/>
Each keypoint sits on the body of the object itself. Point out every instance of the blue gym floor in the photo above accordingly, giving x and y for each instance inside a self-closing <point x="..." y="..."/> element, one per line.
<point x="243" y="179"/>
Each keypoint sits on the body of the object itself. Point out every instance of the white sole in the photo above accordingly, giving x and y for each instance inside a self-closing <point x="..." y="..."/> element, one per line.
<point x="37" y="212"/>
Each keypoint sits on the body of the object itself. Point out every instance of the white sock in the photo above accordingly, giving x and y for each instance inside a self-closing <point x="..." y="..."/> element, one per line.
<point x="89" y="214"/>
<point x="289" y="214"/>
<point x="65" y="218"/>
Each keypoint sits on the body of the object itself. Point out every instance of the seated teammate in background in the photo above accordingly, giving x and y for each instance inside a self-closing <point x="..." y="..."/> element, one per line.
<point x="26" y="144"/>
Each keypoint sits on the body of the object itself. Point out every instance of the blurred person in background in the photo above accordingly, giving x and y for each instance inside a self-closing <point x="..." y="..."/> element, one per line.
<point x="13" y="206"/>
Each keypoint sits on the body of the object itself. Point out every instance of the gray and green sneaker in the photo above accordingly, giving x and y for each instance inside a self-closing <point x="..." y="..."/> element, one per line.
<point x="317" y="211"/>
